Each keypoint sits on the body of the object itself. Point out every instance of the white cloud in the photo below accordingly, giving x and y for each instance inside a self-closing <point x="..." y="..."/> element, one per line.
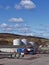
<point x="28" y="4"/>
<point x="9" y="29"/>
<point x="17" y="26"/>
<point x="6" y="27"/>
<point x="41" y="32"/>
<point x="30" y="34"/>
<point x="16" y="20"/>
<point x="3" y="25"/>
<point x="25" y="30"/>
<point x="7" y="7"/>
<point x="17" y="6"/>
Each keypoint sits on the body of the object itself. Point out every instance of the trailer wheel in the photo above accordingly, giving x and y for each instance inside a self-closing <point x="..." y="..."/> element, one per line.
<point x="12" y="55"/>
<point x="17" y="55"/>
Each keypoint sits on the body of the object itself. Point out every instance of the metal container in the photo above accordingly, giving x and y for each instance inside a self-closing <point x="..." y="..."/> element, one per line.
<point x="17" y="42"/>
<point x="32" y="43"/>
<point x="25" y="41"/>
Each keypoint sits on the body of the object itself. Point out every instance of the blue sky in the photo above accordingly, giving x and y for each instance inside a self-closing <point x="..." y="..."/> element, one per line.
<point x="26" y="17"/>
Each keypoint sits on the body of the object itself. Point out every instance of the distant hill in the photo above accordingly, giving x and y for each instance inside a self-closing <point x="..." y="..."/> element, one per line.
<point x="7" y="39"/>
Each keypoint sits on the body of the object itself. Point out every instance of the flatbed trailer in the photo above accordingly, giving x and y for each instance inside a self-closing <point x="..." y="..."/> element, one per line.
<point x="9" y="55"/>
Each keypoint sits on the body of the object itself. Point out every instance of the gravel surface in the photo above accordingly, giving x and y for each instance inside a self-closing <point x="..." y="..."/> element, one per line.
<point x="39" y="59"/>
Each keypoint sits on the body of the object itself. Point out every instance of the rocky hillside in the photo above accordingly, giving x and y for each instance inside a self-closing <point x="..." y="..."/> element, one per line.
<point x="7" y="39"/>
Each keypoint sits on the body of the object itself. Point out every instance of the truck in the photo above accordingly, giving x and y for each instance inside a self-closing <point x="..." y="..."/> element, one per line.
<point x="10" y="51"/>
<point x="15" y="51"/>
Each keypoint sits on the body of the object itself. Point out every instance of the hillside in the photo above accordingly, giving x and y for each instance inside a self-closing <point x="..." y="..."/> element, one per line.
<point x="7" y="39"/>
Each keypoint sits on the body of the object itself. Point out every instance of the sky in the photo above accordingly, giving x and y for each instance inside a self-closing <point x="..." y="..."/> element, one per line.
<point x="25" y="17"/>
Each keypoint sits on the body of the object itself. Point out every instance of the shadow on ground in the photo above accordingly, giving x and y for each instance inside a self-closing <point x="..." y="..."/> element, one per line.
<point x="1" y="64"/>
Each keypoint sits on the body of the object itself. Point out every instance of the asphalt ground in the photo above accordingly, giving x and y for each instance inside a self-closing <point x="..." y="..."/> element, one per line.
<point x="38" y="59"/>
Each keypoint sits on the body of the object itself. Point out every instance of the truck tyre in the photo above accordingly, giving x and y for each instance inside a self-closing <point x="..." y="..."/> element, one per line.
<point x="13" y="56"/>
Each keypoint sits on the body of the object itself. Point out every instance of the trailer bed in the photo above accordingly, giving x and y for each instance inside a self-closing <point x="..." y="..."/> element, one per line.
<point x="9" y="55"/>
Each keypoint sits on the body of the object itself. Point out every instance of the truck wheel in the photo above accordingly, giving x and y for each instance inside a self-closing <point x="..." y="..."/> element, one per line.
<point x="13" y="56"/>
